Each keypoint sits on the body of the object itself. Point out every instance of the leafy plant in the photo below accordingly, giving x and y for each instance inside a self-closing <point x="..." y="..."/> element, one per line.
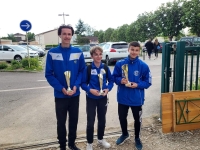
<point x="3" y="65"/>
<point x="15" y="64"/>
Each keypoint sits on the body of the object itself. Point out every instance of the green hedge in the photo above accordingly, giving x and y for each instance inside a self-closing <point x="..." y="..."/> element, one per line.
<point x="3" y="65"/>
<point x="55" y="45"/>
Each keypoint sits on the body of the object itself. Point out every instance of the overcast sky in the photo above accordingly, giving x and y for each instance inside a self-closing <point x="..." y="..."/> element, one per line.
<point x="43" y="14"/>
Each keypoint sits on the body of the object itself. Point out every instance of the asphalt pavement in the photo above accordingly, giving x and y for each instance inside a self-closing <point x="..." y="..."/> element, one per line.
<point x="28" y="110"/>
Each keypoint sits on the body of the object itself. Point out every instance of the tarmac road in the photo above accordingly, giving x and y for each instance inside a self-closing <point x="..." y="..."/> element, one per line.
<point x="27" y="110"/>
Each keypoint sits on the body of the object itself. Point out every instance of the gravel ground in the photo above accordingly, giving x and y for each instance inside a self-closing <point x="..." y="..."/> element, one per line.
<point x="152" y="139"/>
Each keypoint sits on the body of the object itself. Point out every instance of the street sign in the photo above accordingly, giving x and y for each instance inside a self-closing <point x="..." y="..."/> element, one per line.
<point x="25" y="25"/>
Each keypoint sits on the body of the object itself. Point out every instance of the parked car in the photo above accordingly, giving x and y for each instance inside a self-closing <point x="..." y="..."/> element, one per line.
<point x="191" y="40"/>
<point x="86" y="52"/>
<point x="41" y="52"/>
<point x="114" y="51"/>
<point x="15" y="52"/>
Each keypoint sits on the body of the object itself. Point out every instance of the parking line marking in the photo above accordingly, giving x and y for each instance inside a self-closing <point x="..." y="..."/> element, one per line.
<point x="34" y="88"/>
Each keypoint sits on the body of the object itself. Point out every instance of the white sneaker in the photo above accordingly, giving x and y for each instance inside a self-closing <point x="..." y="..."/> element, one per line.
<point x="104" y="143"/>
<point x="89" y="146"/>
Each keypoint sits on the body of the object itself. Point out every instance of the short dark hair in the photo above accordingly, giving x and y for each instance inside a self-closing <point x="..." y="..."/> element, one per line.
<point x="65" y="26"/>
<point x="134" y="43"/>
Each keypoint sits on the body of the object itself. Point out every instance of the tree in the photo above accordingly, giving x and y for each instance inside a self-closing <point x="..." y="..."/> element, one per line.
<point x="107" y="34"/>
<point x="31" y="36"/>
<point x="121" y="35"/>
<point x="101" y="36"/>
<point x="11" y="37"/>
<point x="89" y="31"/>
<point x="96" y="33"/>
<point x="131" y="32"/>
<point x="146" y="26"/>
<point x="80" y="27"/>
<point x="169" y="18"/>
<point x="82" y="40"/>
<point x="191" y="17"/>
<point x="114" y="36"/>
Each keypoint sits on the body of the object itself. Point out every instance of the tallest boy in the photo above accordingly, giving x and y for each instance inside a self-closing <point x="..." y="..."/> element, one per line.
<point x="60" y="59"/>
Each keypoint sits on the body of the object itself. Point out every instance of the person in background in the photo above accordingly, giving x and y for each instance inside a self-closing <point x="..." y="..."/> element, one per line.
<point x="96" y="103"/>
<point x="156" y="48"/>
<point x="60" y="59"/>
<point x="131" y="96"/>
<point x="149" y="46"/>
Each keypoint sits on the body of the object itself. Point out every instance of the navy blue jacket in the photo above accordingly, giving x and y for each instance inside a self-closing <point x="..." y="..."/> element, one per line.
<point x="94" y="81"/>
<point x="138" y="72"/>
<point x="60" y="60"/>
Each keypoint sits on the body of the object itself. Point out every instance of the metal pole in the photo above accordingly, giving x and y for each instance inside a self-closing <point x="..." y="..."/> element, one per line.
<point x="64" y="17"/>
<point x="28" y="49"/>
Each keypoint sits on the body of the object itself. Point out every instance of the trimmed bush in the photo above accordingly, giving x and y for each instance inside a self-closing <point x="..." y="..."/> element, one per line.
<point x="15" y="64"/>
<point x="34" y="63"/>
<point x="3" y="65"/>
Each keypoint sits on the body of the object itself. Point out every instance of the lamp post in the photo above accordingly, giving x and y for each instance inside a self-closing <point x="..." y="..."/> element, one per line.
<point x="63" y="14"/>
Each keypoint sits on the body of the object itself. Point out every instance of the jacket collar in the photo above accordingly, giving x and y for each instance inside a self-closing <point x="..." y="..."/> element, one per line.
<point x="132" y="60"/>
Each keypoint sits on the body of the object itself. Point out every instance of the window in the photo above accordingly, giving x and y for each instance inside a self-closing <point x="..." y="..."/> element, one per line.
<point x="120" y="46"/>
<point x="5" y="48"/>
<point x="1" y="48"/>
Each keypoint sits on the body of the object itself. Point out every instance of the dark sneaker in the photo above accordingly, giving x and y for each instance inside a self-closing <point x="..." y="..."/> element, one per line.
<point x="138" y="144"/>
<point x="73" y="147"/>
<point x="122" y="139"/>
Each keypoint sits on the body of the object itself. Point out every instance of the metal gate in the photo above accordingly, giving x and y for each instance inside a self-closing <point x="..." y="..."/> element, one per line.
<point x="180" y="67"/>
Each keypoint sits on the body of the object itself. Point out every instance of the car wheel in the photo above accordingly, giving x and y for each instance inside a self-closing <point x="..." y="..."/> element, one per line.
<point x="107" y="61"/>
<point x="18" y="58"/>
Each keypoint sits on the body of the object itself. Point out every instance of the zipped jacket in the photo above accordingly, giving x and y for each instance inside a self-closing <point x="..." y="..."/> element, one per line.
<point x="138" y="72"/>
<point x="58" y="61"/>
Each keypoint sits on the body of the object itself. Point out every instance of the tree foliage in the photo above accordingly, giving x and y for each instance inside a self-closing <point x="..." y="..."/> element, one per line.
<point x="101" y="36"/>
<point x="191" y="18"/>
<point x="169" y="18"/>
<point x="31" y="36"/>
<point x="114" y="36"/>
<point x="89" y="31"/>
<point x="80" y="27"/>
<point x="108" y="34"/>
<point x="121" y="35"/>
<point x="11" y="37"/>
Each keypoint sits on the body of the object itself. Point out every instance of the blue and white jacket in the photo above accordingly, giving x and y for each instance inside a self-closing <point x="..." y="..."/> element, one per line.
<point x="138" y="72"/>
<point x="58" y="61"/>
<point x="94" y="81"/>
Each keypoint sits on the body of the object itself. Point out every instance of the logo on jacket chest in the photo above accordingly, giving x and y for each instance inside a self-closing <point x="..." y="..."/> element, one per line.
<point x="94" y="72"/>
<point x="136" y="73"/>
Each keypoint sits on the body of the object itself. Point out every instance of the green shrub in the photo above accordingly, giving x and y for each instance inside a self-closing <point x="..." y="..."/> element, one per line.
<point x="34" y="63"/>
<point x="194" y="85"/>
<point x="15" y="64"/>
<point x="3" y="65"/>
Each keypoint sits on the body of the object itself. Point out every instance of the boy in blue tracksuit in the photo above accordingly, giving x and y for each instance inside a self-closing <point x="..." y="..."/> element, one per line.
<point x="60" y="59"/>
<point x="91" y="84"/>
<point x="131" y="96"/>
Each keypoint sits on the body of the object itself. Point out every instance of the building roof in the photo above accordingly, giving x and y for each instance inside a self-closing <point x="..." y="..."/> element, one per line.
<point x="92" y="38"/>
<point x="18" y="34"/>
<point x="46" y="32"/>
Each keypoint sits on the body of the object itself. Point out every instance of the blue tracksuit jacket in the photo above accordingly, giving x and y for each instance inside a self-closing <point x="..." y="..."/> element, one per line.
<point x="138" y="72"/>
<point x="60" y="60"/>
<point x="94" y="81"/>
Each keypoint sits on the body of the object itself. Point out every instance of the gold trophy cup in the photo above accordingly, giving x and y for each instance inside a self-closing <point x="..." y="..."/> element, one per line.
<point x="101" y="81"/>
<point x="125" y="70"/>
<point x="67" y="77"/>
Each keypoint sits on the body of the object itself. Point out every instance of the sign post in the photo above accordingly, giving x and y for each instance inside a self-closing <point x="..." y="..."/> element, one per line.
<point x="26" y="26"/>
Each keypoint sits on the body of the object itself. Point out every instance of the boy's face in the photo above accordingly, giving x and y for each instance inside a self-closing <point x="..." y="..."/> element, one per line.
<point x="66" y="35"/>
<point x="134" y="51"/>
<point x="97" y="56"/>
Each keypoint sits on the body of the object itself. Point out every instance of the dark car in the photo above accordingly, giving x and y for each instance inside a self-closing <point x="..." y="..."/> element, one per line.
<point x="41" y="52"/>
<point x="191" y="40"/>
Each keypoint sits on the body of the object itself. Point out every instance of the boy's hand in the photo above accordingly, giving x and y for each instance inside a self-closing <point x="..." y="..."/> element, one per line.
<point x="65" y="92"/>
<point x="134" y="85"/>
<point x="105" y="92"/>
<point x="124" y="81"/>
<point x="94" y="92"/>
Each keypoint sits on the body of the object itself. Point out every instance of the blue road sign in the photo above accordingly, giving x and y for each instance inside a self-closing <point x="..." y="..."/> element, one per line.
<point x="25" y="25"/>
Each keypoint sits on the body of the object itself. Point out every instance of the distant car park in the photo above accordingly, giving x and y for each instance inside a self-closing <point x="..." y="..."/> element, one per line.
<point x="86" y="52"/>
<point x="40" y="51"/>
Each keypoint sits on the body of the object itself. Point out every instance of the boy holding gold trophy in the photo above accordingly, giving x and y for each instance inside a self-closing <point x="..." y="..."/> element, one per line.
<point x="64" y="67"/>
<point x="94" y="82"/>
<point x="132" y="76"/>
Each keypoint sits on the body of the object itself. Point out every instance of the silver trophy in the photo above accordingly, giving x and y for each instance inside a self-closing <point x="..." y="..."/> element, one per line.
<point x="101" y="81"/>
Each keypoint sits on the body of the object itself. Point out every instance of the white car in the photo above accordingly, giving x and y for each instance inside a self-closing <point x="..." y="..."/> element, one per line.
<point x="15" y="52"/>
<point x="114" y="51"/>
<point x="86" y="52"/>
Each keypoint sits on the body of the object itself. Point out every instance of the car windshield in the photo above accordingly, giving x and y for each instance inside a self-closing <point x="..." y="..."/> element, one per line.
<point x="17" y="48"/>
<point x="84" y="48"/>
<point x="120" y="45"/>
<point x="186" y="39"/>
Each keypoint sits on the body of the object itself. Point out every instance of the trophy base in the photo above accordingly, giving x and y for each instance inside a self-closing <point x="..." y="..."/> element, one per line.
<point x="69" y="91"/>
<point x="101" y="93"/>
<point x="128" y="85"/>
